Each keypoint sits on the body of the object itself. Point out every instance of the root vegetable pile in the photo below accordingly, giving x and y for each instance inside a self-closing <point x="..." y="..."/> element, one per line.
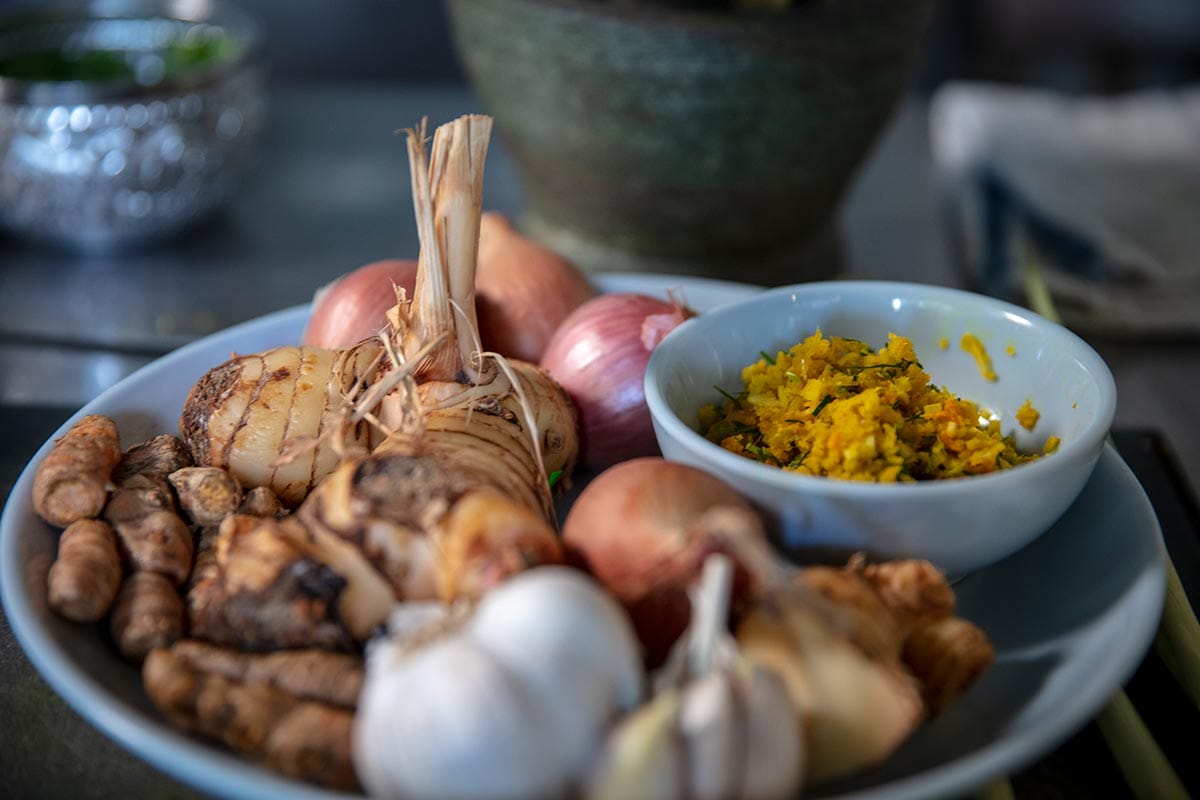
<point x="348" y="566"/>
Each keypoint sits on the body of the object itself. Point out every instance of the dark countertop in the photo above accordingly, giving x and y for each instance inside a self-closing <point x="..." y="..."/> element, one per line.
<point x="331" y="193"/>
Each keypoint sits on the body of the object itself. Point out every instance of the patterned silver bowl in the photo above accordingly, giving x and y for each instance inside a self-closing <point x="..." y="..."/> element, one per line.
<point x="122" y="122"/>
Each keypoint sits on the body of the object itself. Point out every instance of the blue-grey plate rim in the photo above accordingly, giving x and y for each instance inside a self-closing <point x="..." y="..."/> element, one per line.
<point x="1125" y="619"/>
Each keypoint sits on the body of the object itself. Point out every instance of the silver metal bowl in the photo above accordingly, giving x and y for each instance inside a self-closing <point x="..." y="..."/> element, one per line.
<point x="161" y="138"/>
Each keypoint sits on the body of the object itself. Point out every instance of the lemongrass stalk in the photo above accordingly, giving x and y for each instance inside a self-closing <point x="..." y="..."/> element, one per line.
<point x="1177" y="642"/>
<point x="1178" y="639"/>
<point x="1145" y="768"/>
<point x="999" y="789"/>
<point x="447" y="184"/>
<point x="1034" y="283"/>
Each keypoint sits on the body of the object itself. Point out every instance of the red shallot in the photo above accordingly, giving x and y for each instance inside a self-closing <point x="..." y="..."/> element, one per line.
<point x="524" y="290"/>
<point x="599" y="355"/>
<point x="355" y="305"/>
<point x="644" y="527"/>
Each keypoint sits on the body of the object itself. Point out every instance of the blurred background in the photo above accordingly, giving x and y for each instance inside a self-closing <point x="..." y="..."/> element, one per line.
<point x="1072" y="45"/>
<point x="944" y="141"/>
<point x="760" y="140"/>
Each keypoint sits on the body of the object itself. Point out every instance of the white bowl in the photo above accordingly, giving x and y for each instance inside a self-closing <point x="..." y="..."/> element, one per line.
<point x="959" y="524"/>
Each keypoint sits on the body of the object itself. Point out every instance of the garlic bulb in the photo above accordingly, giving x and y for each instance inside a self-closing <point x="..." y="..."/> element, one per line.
<point x="512" y="703"/>
<point x="724" y="728"/>
<point x="728" y="734"/>
<point x="561" y="631"/>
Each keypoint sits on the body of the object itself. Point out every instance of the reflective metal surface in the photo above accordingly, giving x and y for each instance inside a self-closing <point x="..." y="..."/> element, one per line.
<point x="107" y="163"/>
<point x="330" y="193"/>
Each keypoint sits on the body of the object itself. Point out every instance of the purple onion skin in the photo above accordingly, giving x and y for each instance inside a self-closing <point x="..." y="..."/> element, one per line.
<point x="598" y="355"/>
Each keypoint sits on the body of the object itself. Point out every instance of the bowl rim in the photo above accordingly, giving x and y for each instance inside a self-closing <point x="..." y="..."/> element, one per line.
<point x="243" y="27"/>
<point x="1084" y="447"/>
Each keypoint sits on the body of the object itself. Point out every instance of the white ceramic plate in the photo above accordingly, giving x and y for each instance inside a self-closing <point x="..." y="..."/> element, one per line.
<point x="1071" y="615"/>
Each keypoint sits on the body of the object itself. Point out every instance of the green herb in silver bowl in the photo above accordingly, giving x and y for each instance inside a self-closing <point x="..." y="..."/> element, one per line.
<point x="123" y="122"/>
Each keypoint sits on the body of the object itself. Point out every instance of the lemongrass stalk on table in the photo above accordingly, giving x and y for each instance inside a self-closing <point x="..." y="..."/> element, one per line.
<point x="1146" y="770"/>
<point x="1178" y="639"/>
<point x="999" y="789"/>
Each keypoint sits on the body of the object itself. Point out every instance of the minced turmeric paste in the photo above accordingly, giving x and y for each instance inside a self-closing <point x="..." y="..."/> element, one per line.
<point x="836" y="408"/>
<point x="971" y="344"/>
<point x="1028" y="416"/>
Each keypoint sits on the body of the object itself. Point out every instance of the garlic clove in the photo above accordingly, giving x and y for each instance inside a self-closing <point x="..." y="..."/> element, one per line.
<point x="572" y="645"/>
<point x="712" y="721"/>
<point x="776" y="748"/>
<point x="641" y="757"/>
<point x="512" y="702"/>
<point x="730" y="733"/>
<point x="450" y="721"/>
<point x="743" y="739"/>
<point x="720" y="726"/>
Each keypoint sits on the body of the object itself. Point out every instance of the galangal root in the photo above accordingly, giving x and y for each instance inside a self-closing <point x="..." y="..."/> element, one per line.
<point x="454" y="495"/>
<point x="242" y="413"/>
<point x="254" y="590"/>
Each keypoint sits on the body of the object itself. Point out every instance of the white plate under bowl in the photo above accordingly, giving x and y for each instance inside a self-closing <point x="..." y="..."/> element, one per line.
<point x="1071" y="615"/>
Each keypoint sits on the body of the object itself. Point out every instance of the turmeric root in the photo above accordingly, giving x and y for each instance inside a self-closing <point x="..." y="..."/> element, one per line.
<point x="158" y="456"/>
<point x="143" y="513"/>
<point x="947" y="656"/>
<point x="206" y="494"/>
<point x="148" y="614"/>
<point x="151" y="534"/>
<point x="303" y="738"/>
<point x="86" y="575"/>
<point x="72" y="482"/>
<point x="317" y="675"/>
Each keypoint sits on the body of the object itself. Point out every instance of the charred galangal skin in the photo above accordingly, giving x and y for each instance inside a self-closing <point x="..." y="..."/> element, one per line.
<point x="254" y="590"/>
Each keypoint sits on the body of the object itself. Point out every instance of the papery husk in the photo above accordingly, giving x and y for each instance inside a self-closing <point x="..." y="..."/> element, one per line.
<point x="720" y="726"/>
<point x="855" y="711"/>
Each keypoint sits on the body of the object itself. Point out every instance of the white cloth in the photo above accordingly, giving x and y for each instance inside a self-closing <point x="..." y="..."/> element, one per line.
<point x="1106" y="189"/>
